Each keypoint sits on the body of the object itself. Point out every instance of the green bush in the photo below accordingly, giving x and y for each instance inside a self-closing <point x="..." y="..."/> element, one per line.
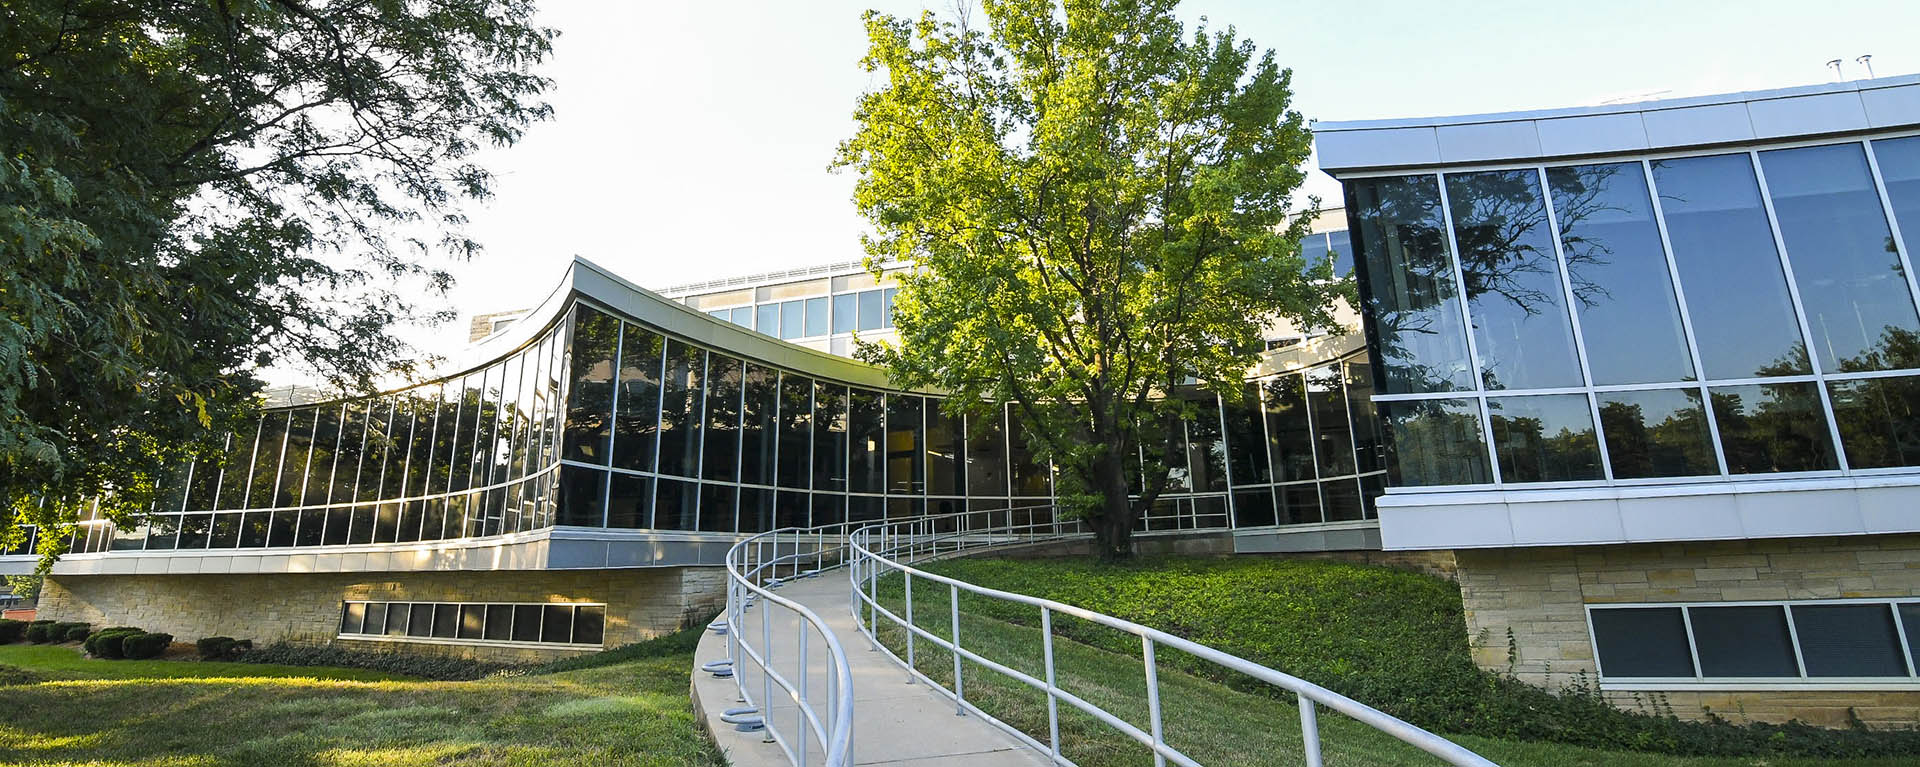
<point x="11" y="630"/>
<point x="78" y="633"/>
<point x="63" y="631"/>
<point x="143" y="646"/>
<point x="37" y="632"/>
<point x="107" y="642"/>
<point x="222" y="648"/>
<point x="12" y="675"/>
<point x="1392" y="639"/>
<point x="442" y="667"/>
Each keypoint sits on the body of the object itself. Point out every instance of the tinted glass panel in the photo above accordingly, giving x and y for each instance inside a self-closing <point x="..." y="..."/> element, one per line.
<point x="446" y="621"/>
<point x="986" y="454"/>
<point x="352" y="615"/>
<point x="720" y="458"/>
<point x="1436" y="442"/>
<point x="526" y="623"/>
<point x="581" y="496"/>
<point x="1844" y="261"/>
<point x="793" y="319"/>
<point x="499" y="622"/>
<point x="1332" y="433"/>
<point x="1247" y="438"/>
<point x="1369" y="447"/>
<point x="1723" y="245"/>
<point x="376" y="619"/>
<point x="473" y="621"/>
<point x="1547" y="438"/>
<point x="1207" y="447"/>
<point x="1313" y="250"/>
<point x="1848" y="640"/>
<point x="398" y="614"/>
<point x="829" y="437"/>
<point x="871" y="314"/>
<point x="1899" y="161"/>
<point x="590" y="388"/>
<point x="1772" y="427"/>
<point x="1910" y="620"/>
<point x="630" y="502"/>
<point x="1514" y="293"/>
<point x="906" y="464"/>
<point x="886" y="306"/>
<point x="680" y="411"/>
<point x="866" y="435"/>
<point x="1253" y="507"/>
<point x="816" y="316"/>
<point x="795" y="451"/>
<point x="675" y="504"/>
<point x="845" y="316"/>
<point x="759" y="395"/>
<point x="756" y="510"/>
<point x="742" y="316"/>
<point x="1879" y="420"/>
<point x="1743" y="641"/>
<point x="1617" y="267"/>
<point x="1341" y="497"/>
<point x="1641" y="642"/>
<point x="637" y="426"/>
<point x="946" y="473"/>
<point x="556" y="623"/>
<point x="1407" y="284"/>
<point x="1024" y="467"/>
<point x="589" y="623"/>
<point x="1289" y="432"/>
<point x="1341" y="247"/>
<point x="716" y="508"/>
<point x="1658" y="433"/>
<point x="1299" y="504"/>
<point x="767" y="319"/>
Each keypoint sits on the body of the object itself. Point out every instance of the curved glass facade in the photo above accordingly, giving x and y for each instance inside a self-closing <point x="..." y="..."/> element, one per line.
<point x="604" y="421"/>
<point x="1710" y="315"/>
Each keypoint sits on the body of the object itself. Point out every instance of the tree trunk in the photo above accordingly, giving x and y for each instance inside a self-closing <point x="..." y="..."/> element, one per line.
<point x="1113" y="529"/>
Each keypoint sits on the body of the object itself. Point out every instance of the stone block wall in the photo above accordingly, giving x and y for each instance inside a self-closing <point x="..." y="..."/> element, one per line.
<point x="1539" y="594"/>
<point x="305" y="607"/>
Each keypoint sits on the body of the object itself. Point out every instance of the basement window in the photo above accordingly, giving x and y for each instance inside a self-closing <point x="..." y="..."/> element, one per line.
<point x="1730" y="645"/>
<point x="474" y="623"/>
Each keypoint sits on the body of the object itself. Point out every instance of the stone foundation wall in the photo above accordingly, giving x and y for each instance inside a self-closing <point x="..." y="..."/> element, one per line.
<point x="1539" y="594"/>
<point x="641" y="603"/>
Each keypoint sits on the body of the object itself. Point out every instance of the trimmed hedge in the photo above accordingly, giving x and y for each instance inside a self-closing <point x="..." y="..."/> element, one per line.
<point x="441" y="667"/>
<point x="78" y="633"/>
<point x="106" y="643"/>
<point x="1392" y="639"/>
<point x="64" y="631"/>
<point x="143" y="646"/>
<point x="222" y="648"/>
<point x="39" y="632"/>
<point x="11" y="630"/>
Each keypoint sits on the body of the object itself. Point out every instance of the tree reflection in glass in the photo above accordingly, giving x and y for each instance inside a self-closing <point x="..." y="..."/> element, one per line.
<point x="1411" y="299"/>
<point x="1772" y="428"/>
<point x="1544" y="438"/>
<point x="1629" y="318"/>
<point x="1436" y="442"/>
<point x="1879" y="420"/>
<point x="1657" y="433"/>
<point x="1514" y="294"/>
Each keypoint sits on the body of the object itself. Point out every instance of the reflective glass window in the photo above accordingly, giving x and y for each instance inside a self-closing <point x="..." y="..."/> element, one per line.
<point x="845" y="314"/>
<point x="1544" y="438"/>
<point x="386" y="523"/>
<point x="1332" y="432"/>
<point x="352" y="616"/>
<point x="1407" y="285"/>
<point x="793" y="319"/>
<point x="717" y="508"/>
<point x="680" y="410"/>
<point x="473" y="621"/>
<point x="1641" y="642"/>
<point x="1247" y="439"/>
<point x="1723" y="246"/>
<point x="1743" y="640"/>
<point x="630" y="501"/>
<point x="906" y="437"/>
<point x="829" y="437"/>
<point x="720" y="458"/>
<point x="1206" y="446"/>
<point x="590" y="386"/>
<point x="987" y="454"/>
<point x="280" y="528"/>
<point x="759" y="399"/>
<point x="756" y="510"/>
<point x="460" y="453"/>
<point x="203" y="479"/>
<point x="790" y="509"/>
<point x="1657" y="433"/>
<point x="163" y="533"/>
<point x="499" y="623"/>
<point x="581" y="494"/>
<point x="1340" y="246"/>
<point x="225" y="532"/>
<point x="866" y="433"/>
<point x="767" y="319"/>
<point x="1369" y="446"/>
<point x="1435" y="442"/>
<point x="1629" y="318"/>
<point x="236" y="466"/>
<point x="742" y="316"/>
<point x="817" y="319"/>
<point x="871" y="314"/>
<point x="1299" y="503"/>
<point x="130" y="538"/>
<point x="500" y="458"/>
<point x="675" y="504"/>
<point x="194" y="530"/>
<point x="1253" y="507"/>
<point x="589" y="623"/>
<point x="1341" y="497"/>
<point x="1899" y="161"/>
<point x="1289" y="430"/>
<point x="1845" y="265"/>
<point x="1313" y="250"/>
<point x="1772" y="427"/>
<point x="946" y="469"/>
<point x="1848" y="640"/>
<point x="794" y="453"/>
<point x="1879" y="420"/>
<point x="1514" y="293"/>
<point x="1024" y="466"/>
<point x="886" y="306"/>
<point x="719" y="314"/>
<point x="637" y="426"/>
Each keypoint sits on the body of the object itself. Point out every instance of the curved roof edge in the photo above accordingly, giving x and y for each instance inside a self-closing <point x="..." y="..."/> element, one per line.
<point x="1884" y="103"/>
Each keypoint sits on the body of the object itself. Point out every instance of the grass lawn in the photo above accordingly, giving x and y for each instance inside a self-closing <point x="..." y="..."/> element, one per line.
<point x="1210" y="721"/>
<point x="191" y="714"/>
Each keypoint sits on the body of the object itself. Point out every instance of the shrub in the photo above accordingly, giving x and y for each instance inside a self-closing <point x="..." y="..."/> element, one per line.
<point x="440" y="667"/>
<point x="37" y="632"/>
<point x="107" y="642"/>
<point x="11" y="630"/>
<point x="64" y="631"/>
<point x="143" y="646"/>
<point x="12" y="675"/>
<point x="222" y="648"/>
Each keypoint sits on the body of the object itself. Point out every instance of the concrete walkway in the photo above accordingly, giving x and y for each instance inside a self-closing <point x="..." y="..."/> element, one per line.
<point x="894" y="722"/>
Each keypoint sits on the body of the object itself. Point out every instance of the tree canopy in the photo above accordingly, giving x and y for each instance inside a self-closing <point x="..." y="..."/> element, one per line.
<point x="1096" y="209"/>
<point x="191" y="191"/>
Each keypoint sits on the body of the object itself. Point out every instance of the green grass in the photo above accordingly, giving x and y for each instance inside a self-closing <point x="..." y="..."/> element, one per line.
<point x="189" y="714"/>
<point x="1218" y="718"/>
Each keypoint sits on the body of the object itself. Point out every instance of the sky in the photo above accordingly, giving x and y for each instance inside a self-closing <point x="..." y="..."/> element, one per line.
<point x="690" y="140"/>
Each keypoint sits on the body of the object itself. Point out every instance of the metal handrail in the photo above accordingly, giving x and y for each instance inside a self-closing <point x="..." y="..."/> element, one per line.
<point x="883" y="546"/>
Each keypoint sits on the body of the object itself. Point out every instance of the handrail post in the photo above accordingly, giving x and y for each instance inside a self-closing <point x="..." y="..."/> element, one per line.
<point x="801" y="713"/>
<point x="1309" y="730"/>
<point x="959" y="685"/>
<point x="1153" y="699"/>
<point x="907" y="580"/>
<point x="766" y="670"/>
<point x="1053" y="703"/>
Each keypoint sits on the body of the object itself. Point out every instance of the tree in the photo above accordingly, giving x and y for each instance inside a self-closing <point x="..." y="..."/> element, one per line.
<point x="1096" y="210"/>
<point x="191" y="191"/>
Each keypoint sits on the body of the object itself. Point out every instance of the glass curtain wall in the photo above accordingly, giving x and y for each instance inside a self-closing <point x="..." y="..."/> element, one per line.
<point x="1731" y="314"/>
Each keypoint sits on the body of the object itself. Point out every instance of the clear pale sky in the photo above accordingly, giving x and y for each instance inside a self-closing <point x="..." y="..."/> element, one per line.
<point x="691" y="139"/>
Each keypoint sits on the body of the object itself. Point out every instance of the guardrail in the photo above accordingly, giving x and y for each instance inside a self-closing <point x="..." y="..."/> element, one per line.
<point x="882" y="549"/>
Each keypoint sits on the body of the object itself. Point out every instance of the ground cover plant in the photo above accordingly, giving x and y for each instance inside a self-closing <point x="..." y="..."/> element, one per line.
<point x="70" y="710"/>
<point x="1390" y="638"/>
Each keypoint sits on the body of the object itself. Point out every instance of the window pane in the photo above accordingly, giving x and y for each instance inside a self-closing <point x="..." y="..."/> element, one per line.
<point x="829" y="437"/>
<point x="793" y="320"/>
<point x="1743" y="641"/>
<point x="1657" y="433"/>
<point x="581" y="496"/>
<point x="234" y="468"/>
<point x="1845" y="266"/>
<point x="717" y="508"/>
<point x="758" y="397"/>
<point x="986" y="454"/>
<point x="473" y="621"/>
<point x="674" y="504"/>
<point x="1772" y="427"/>
<point x="1435" y="442"/>
<point x="720" y="456"/>
<point x="1879" y="420"/>
<point x="1723" y="246"/>
<point x="630" y="502"/>
<point x="194" y="530"/>
<point x="420" y="620"/>
<point x="1514" y="293"/>
<point x="1910" y="621"/>
<point x="499" y="622"/>
<point x="1246" y="439"/>
<point x="767" y="319"/>
<point x="1313" y="250"/>
<point x="790" y="509"/>
<point x="637" y="426"/>
<point x="266" y="461"/>
<point x="590" y="392"/>
<point x="352" y="616"/>
<point x="865" y="471"/>
<point x="816" y="316"/>
<point x="1629" y="319"/>
<point x="1407" y="284"/>
<point x="742" y="316"/>
<point x="1299" y="504"/>
<point x="1024" y="467"/>
<point x="794" y="454"/>
<point x="1289" y="433"/>
<point x="556" y="623"/>
<point x="1899" y="161"/>
<point x="446" y="621"/>
<point x="844" y="314"/>
<point x="376" y="619"/>
<point x="226" y="532"/>
<point x="680" y="410"/>
<point x="886" y="306"/>
<point x="1848" y="640"/>
<point x="326" y="440"/>
<point x="1370" y="448"/>
<point x="946" y="473"/>
<point x="870" y="310"/>
<point x="589" y="623"/>
<point x="460" y="458"/>
<point x="526" y="623"/>
<point x="1641" y="642"/>
<point x="1547" y="438"/>
<point x="1332" y="433"/>
<point x="1342" y="500"/>
<point x="397" y="615"/>
<point x="1253" y="507"/>
<point x="1341" y="246"/>
<point x="756" y="510"/>
<point x="906" y="463"/>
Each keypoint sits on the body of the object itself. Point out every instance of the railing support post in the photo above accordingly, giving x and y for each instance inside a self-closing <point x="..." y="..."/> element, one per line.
<point x="1153" y="700"/>
<point x="1309" y="731"/>
<point x="959" y="684"/>
<point x="1053" y="703"/>
<point x="908" y="582"/>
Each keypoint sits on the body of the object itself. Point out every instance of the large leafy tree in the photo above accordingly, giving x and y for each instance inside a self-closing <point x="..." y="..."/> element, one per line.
<point x="191" y="190"/>
<point x="1096" y="207"/>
